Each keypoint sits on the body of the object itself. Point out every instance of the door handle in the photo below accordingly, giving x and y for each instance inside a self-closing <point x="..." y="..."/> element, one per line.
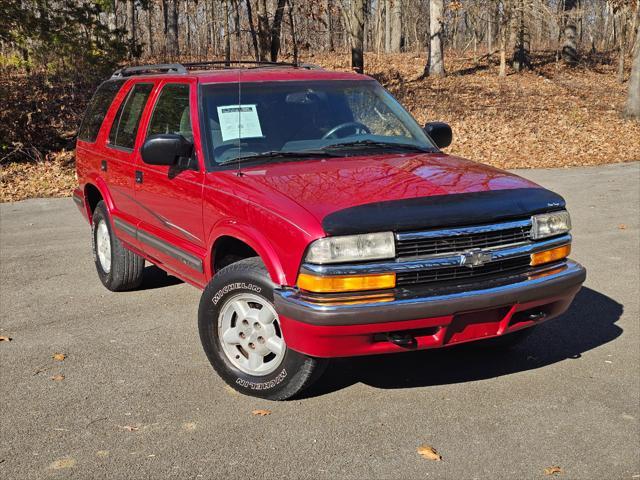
<point x="103" y="165"/>
<point x="138" y="176"/>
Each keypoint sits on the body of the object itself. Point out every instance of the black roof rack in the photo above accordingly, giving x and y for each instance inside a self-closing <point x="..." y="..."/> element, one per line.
<point x="182" y="68"/>
<point x="157" y="68"/>
<point x="250" y="63"/>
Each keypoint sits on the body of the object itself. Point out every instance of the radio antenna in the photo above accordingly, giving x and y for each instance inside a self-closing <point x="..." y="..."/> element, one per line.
<point x="239" y="172"/>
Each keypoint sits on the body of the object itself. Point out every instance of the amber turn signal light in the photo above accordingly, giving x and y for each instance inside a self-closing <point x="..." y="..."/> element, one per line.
<point x="335" y="284"/>
<point x="548" y="256"/>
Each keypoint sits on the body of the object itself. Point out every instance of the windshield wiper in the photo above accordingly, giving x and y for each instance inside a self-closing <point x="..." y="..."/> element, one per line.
<point x="277" y="154"/>
<point x="378" y="144"/>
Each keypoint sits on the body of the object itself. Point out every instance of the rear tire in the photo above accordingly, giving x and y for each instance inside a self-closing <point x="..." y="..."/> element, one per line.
<point x="119" y="268"/>
<point x="241" y="335"/>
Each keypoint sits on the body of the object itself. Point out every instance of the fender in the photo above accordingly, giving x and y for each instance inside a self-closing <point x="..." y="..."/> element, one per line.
<point x="98" y="182"/>
<point x="252" y="237"/>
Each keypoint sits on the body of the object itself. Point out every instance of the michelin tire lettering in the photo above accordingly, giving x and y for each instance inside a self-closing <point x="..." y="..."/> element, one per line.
<point x="264" y="385"/>
<point x="235" y="286"/>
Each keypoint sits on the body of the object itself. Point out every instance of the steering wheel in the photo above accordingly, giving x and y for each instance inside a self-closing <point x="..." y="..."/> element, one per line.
<point x="359" y="128"/>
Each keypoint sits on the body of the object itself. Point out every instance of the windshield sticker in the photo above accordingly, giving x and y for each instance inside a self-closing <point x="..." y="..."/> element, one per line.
<point x="239" y="121"/>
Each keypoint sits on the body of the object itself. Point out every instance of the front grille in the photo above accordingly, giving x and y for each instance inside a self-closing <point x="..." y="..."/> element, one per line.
<point x="463" y="274"/>
<point x="411" y="246"/>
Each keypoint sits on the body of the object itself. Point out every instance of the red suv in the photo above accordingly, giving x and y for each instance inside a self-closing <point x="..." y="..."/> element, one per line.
<point x="318" y="217"/>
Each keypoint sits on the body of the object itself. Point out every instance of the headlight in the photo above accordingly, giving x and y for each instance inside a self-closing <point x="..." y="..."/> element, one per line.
<point x="352" y="248"/>
<point x="550" y="224"/>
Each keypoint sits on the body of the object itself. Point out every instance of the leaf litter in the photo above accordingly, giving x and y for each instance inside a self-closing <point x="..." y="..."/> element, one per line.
<point x="552" y="470"/>
<point x="261" y="413"/>
<point x="428" y="452"/>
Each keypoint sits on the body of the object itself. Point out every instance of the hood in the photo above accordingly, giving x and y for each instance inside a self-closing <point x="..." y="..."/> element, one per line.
<point x="401" y="192"/>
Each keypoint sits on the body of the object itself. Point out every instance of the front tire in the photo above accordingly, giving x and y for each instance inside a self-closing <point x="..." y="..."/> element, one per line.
<point x="242" y="337"/>
<point x="119" y="268"/>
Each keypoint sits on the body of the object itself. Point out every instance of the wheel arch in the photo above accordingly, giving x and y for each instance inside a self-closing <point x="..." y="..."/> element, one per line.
<point x="94" y="192"/>
<point x="236" y="235"/>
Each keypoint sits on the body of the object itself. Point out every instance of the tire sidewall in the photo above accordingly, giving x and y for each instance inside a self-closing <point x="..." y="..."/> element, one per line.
<point x="230" y="282"/>
<point x="99" y="214"/>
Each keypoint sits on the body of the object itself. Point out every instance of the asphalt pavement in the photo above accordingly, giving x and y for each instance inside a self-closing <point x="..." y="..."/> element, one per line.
<point x="140" y="400"/>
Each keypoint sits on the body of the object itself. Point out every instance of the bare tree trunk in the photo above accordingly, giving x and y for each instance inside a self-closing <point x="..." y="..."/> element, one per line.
<point x="353" y="15"/>
<point x="425" y="72"/>
<point x="263" y="29"/>
<point x="276" y="28"/>
<point x="378" y="29"/>
<point x="187" y="25"/>
<point x="150" y="29"/>
<point x="632" y="108"/>
<point x="489" y="33"/>
<point x="227" y="35"/>
<point x="171" y="25"/>
<point x="387" y="25"/>
<point x="396" y="26"/>
<point x="504" y="16"/>
<point x="269" y="34"/>
<point x="292" y="25"/>
<point x="213" y="32"/>
<point x="569" y="45"/>
<point x="621" y="41"/>
<point x="436" y="54"/>
<point x="252" y="29"/>
<point x="132" y="27"/>
<point x="521" y="58"/>
<point x="329" y="7"/>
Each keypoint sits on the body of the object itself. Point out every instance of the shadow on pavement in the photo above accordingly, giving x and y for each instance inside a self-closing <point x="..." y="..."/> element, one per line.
<point x="589" y="323"/>
<point x="155" y="277"/>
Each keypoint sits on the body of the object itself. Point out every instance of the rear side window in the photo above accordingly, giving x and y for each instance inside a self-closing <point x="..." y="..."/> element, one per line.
<point x="125" y="125"/>
<point x="171" y="113"/>
<point x="97" y="110"/>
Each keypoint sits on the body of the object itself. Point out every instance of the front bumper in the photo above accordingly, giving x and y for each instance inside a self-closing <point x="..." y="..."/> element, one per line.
<point x="434" y="318"/>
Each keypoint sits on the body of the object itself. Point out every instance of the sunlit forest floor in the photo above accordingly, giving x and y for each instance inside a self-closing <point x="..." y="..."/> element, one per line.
<point x="551" y="116"/>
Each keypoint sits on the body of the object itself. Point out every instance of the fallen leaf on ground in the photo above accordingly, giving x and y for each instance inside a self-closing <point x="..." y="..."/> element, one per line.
<point x="622" y="226"/>
<point x="59" y="357"/>
<point x="131" y="428"/>
<point x="552" y="470"/>
<point x="261" y="413"/>
<point x="428" y="452"/>
<point x="4" y="339"/>
<point x="62" y="463"/>
<point x="58" y="378"/>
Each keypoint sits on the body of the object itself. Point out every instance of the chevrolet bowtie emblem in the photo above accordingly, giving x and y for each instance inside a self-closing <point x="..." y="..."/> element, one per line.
<point x="475" y="258"/>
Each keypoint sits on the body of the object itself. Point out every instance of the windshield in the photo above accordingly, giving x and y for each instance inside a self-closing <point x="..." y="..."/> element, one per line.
<point x="269" y="121"/>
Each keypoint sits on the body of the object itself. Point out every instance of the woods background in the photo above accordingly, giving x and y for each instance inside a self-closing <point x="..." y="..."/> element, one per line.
<point x="524" y="83"/>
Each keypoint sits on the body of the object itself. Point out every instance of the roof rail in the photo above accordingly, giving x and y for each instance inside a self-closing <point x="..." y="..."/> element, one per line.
<point x="157" y="68"/>
<point x="228" y="64"/>
<point x="182" y="68"/>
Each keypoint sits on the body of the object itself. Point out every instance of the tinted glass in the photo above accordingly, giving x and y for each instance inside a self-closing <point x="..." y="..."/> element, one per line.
<point x="304" y="116"/>
<point x="125" y="126"/>
<point x="171" y="113"/>
<point x="97" y="110"/>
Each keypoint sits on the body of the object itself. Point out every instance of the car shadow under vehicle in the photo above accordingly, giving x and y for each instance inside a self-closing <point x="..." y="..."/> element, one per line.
<point x="589" y="323"/>
<point x="154" y="277"/>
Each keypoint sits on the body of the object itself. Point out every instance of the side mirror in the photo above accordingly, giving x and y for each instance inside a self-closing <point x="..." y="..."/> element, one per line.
<point x="165" y="149"/>
<point x="440" y="133"/>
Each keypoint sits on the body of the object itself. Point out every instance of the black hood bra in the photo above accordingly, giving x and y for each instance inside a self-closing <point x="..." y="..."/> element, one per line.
<point x="442" y="211"/>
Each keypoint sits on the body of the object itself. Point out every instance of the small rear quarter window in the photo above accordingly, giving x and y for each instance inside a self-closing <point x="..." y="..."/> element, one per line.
<point x="125" y="125"/>
<point x="97" y="110"/>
